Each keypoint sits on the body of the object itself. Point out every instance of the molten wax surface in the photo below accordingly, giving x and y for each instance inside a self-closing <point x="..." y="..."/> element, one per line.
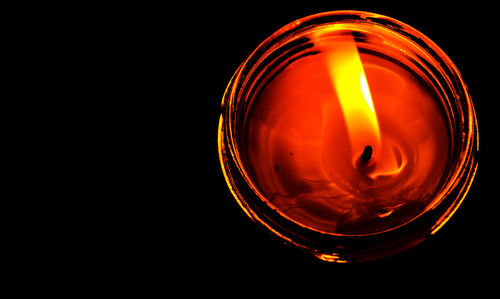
<point x="300" y="156"/>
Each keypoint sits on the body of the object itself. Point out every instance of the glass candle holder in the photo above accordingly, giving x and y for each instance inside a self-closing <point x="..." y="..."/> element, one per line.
<point x="348" y="134"/>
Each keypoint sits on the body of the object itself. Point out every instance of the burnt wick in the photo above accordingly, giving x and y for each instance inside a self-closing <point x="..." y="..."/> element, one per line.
<point x="367" y="154"/>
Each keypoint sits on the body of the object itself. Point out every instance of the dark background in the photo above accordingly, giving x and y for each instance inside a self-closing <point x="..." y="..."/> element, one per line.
<point x="219" y="243"/>
<point x="146" y="204"/>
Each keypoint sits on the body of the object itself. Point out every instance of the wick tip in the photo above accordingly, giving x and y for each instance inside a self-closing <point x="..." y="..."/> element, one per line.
<point x="367" y="154"/>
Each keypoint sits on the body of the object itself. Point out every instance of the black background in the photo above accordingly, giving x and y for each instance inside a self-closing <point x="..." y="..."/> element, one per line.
<point x="143" y="199"/>
<point x="218" y="243"/>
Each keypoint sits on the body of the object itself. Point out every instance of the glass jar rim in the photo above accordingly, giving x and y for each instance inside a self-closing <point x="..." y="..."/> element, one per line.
<point x="459" y="180"/>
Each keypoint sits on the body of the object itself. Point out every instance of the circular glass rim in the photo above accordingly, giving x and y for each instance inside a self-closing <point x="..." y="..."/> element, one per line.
<point x="461" y="108"/>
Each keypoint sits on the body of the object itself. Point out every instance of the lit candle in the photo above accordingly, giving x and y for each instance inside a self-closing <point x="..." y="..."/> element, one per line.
<point x="345" y="134"/>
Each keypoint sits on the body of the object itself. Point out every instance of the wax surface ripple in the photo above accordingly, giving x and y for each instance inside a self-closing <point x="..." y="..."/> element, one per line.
<point x="300" y="159"/>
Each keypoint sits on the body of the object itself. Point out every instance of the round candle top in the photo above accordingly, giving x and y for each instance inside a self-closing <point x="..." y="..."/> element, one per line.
<point x="348" y="134"/>
<point x="346" y="141"/>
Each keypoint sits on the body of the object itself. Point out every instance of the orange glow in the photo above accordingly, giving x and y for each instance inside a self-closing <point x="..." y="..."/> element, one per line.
<point x="344" y="128"/>
<point x="251" y="214"/>
<point x="301" y="156"/>
<point x="348" y="78"/>
<point x="332" y="258"/>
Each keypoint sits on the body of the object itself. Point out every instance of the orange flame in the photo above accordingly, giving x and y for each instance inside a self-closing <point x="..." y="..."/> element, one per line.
<point x="348" y="78"/>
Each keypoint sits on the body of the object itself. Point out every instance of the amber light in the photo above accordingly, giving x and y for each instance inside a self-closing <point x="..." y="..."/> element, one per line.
<point x="349" y="81"/>
<point x="348" y="134"/>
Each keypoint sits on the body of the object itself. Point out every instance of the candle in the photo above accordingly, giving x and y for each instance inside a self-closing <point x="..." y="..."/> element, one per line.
<point x="307" y="135"/>
<point x="346" y="130"/>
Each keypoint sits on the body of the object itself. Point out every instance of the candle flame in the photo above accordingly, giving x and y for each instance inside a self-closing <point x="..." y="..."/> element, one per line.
<point x="349" y="80"/>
